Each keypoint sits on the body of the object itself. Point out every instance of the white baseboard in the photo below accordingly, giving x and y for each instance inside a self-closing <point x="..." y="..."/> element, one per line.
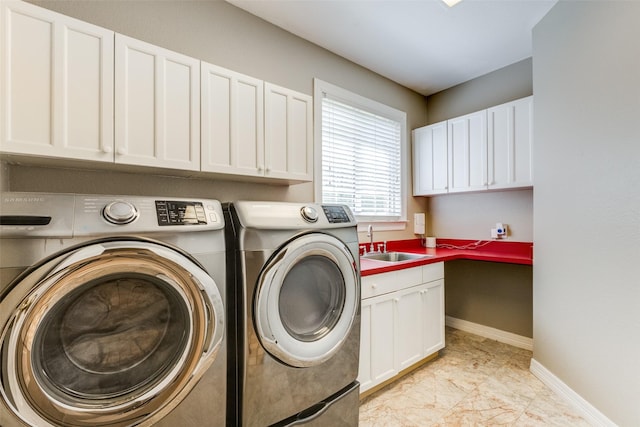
<point x="492" y="333"/>
<point x="584" y="408"/>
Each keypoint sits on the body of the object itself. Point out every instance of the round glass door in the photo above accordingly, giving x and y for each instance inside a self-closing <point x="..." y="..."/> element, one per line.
<point x="111" y="334"/>
<point x="307" y="299"/>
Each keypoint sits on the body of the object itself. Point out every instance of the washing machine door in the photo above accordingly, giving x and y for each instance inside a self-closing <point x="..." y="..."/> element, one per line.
<point x="112" y="333"/>
<point x="307" y="298"/>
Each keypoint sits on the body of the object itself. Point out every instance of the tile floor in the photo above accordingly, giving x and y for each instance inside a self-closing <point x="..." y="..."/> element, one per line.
<point x="475" y="382"/>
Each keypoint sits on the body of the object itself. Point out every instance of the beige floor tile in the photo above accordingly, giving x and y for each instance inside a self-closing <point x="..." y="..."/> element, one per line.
<point x="475" y="382"/>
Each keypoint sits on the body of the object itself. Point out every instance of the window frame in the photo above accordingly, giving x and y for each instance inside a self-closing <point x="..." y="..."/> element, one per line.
<point x="321" y="87"/>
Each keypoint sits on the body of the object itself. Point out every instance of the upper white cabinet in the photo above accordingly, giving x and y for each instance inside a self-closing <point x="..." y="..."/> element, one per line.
<point x="72" y="90"/>
<point x="467" y="144"/>
<point x="157" y="106"/>
<point x="288" y="134"/>
<point x="430" y="174"/>
<point x="510" y="135"/>
<point x="56" y="85"/>
<point x="232" y="122"/>
<point x="486" y="150"/>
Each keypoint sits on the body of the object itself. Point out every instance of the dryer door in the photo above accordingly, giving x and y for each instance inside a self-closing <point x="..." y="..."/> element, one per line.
<point x="307" y="297"/>
<point x="111" y="333"/>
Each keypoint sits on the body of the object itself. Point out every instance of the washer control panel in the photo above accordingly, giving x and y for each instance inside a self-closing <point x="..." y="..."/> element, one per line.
<point x="180" y="213"/>
<point x="336" y="214"/>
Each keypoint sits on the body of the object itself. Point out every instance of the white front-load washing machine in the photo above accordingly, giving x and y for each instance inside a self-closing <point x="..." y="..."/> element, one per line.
<point x="294" y="325"/>
<point x="112" y="311"/>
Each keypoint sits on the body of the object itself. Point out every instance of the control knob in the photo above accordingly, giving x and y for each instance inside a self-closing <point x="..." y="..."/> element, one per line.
<point x="309" y="214"/>
<point x="120" y="212"/>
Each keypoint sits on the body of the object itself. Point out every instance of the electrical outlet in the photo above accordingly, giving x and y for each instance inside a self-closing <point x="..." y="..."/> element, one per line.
<point x="499" y="232"/>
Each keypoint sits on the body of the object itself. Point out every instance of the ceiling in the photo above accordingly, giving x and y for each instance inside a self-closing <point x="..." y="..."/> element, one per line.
<point x="421" y="44"/>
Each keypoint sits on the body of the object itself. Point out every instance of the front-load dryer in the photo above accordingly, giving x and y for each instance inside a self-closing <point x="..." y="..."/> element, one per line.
<point x="112" y="311"/>
<point x="295" y="321"/>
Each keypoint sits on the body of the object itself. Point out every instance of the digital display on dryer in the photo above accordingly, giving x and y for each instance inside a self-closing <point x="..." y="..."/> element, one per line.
<point x="180" y="213"/>
<point x="336" y="214"/>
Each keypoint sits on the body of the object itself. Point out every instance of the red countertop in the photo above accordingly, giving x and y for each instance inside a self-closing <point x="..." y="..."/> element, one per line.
<point x="448" y="250"/>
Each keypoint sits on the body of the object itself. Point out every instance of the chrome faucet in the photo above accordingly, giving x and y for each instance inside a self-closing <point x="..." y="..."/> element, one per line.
<point x="370" y="236"/>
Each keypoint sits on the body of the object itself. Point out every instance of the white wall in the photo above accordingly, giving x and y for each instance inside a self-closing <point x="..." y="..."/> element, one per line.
<point x="586" y="78"/>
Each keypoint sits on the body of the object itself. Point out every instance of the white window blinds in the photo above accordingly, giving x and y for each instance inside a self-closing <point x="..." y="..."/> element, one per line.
<point x="361" y="160"/>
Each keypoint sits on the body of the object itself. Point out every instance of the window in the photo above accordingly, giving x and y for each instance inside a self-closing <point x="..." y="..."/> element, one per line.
<point x="362" y="155"/>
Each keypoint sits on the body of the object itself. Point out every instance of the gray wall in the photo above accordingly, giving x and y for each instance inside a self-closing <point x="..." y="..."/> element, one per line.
<point x="225" y="35"/>
<point x="506" y="84"/>
<point x="586" y="290"/>
<point x="490" y="294"/>
<point x="450" y="215"/>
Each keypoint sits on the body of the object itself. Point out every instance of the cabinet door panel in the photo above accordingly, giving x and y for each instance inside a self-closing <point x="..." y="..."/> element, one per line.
<point x="86" y="98"/>
<point x="300" y="124"/>
<point x="409" y="324"/>
<point x="177" y="113"/>
<point x="216" y="106"/>
<point x="432" y="296"/>
<point x="232" y="122"/>
<point x="157" y="106"/>
<point x="467" y="143"/>
<point x="248" y="141"/>
<point x="288" y="135"/>
<point x="57" y="85"/>
<point x="510" y="144"/>
<point x="135" y="105"/>
<point x="430" y="160"/>
<point x="523" y="146"/>
<point x="383" y="339"/>
<point x="27" y="81"/>
<point x="276" y="138"/>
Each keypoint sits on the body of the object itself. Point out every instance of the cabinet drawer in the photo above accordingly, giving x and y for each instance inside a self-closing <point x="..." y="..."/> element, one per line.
<point x="431" y="272"/>
<point x="379" y="284"/>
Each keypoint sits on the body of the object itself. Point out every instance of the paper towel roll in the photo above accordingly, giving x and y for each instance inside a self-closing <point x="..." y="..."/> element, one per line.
<point x="431" y="242"/>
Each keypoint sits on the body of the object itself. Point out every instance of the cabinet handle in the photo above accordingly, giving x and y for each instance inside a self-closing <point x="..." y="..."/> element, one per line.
<point x="396" y="300"/>
<point x="374" y="286"/>
<point x="121" y="151"/>
<point x="106" y="149"/>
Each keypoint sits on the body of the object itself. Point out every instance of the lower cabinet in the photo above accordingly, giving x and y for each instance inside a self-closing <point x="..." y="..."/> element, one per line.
<point x="402" y="326"/>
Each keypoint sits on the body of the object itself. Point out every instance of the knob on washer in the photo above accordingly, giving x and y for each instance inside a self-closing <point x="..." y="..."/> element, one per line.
<point x="309" y="214"/>
<point x="120" y="212"/>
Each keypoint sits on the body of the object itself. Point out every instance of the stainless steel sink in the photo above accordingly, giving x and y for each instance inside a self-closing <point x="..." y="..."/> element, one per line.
<point x="395" y="256"/>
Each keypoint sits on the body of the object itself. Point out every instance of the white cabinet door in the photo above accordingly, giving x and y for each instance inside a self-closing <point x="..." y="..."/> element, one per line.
<point x="157" y="106"/>
<point x="430" y="173"/>
<point x="383" y="338"/>
<point x="467" y="143"/>
<point x="432" y="296"/>
<point x="56" y="85"/>
<point x="409" y="326"/>
<point x="510" y="130"/>
<point x="288" y="134"/>
<point x="232" y="122"/>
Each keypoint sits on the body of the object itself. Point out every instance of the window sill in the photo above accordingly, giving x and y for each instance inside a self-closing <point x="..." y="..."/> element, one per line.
<point x="382" y="225"/>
